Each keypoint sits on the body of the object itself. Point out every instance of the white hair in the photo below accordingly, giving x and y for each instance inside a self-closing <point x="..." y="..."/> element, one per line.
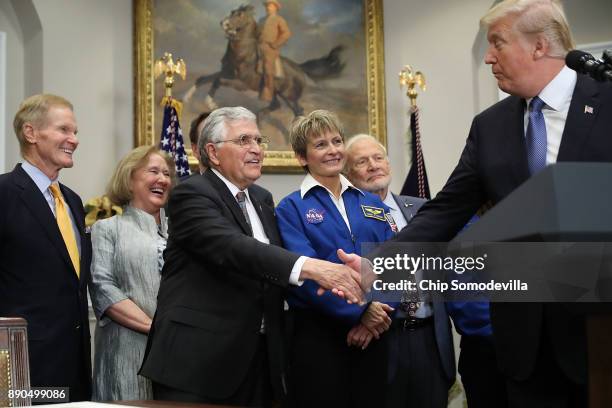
<point x="214" y="128"/>
<point x="362" y="136"/>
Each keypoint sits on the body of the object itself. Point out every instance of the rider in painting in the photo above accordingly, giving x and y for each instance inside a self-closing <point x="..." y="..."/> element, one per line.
<point x="273" y="33"/>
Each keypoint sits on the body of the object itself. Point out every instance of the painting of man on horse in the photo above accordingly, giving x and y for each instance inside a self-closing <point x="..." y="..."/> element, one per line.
<point x="277" y="72"/>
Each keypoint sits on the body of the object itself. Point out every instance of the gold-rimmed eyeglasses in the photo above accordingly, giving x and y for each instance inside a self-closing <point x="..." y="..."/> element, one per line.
<point x="247" y="140"/>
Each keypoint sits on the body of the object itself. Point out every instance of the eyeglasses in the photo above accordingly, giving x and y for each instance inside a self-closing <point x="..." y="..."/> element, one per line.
<point x="248" y="140"/>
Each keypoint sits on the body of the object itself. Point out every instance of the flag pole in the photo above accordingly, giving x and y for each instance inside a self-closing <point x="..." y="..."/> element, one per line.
<point x="416" y="183"/>
<point x="171" y="139"/>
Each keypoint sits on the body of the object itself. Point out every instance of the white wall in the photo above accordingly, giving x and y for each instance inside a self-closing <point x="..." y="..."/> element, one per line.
<point x="82" y="49"/>
<point x="87" y="59"/>
<point x="436" y="38"/>
<point x="14" y="91"/>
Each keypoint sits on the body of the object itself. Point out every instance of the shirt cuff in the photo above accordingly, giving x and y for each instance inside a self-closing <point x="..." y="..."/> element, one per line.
<point x="294" y="278"/>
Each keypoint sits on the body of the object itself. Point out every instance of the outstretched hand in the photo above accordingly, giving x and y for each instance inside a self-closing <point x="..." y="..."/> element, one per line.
<point x="353" y="261"/>
<point x="344" y="281"/>
<point x="361" y="266"/>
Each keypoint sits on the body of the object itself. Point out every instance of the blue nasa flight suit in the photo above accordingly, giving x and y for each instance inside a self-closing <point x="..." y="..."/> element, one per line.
<point x="313" y="226"/>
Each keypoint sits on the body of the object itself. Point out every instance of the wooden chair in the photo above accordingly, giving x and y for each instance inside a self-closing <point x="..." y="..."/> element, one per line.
<point x="14" y="362"/>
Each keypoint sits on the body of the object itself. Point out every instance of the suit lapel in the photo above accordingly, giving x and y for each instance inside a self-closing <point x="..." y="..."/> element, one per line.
<point x="513" y="140"/>
<point x="579" y="121"/>
<point x="407" y="208"/>
<point x="229" y="200"/>
<point x="35" y="202"/>
<point x="266" y="216"/>
<point x="79" y="218"/>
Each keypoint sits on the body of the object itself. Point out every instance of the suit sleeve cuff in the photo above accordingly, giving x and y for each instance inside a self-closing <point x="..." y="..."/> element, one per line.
<point x="294" y="278"/>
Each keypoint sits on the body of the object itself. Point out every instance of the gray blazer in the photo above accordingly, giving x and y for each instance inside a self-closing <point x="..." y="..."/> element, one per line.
<point x="125" y="265"/>
<point x="444" y="337"/>
<point x="409" y="205"/>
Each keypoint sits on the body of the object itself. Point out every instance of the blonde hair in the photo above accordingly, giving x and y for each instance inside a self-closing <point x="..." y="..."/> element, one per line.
<point x="316" y="123"/>
<point x="544" y="17"/>
<point x="34" y="110"/>
<point x="118" y="189"/>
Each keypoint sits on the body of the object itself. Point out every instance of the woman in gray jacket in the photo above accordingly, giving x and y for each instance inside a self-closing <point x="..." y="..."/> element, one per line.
<point x="126" y="266"/>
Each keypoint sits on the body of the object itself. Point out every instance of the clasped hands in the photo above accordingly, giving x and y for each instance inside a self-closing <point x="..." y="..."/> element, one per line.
<point x="375" y="320"/>
<point x="349" y="281"/>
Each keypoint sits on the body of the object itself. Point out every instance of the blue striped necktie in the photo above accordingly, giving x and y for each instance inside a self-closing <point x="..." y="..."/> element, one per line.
<point x="536" y="137"/>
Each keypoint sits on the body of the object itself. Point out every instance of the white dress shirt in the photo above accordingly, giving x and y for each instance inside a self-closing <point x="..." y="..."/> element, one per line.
<point x="557" y="96"/>
<point x="43" y="183"/>
<point x="396" y="212"/>
<point x="258" y="230"/>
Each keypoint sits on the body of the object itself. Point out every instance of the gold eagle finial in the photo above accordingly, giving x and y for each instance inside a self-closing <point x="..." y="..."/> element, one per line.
<point x="411" y="79"/>
<point x="166" y="65"/>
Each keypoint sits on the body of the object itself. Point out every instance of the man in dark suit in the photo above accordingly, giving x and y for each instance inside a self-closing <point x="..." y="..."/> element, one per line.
<point x="421" y="354"/>
<point x="552" y="115"/>
<point x="44" y="249"/>
<point x="217" y="333"/>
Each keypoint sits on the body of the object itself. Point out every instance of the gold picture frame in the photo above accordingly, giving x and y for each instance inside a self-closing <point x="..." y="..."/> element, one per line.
<point x="276" y="161"/>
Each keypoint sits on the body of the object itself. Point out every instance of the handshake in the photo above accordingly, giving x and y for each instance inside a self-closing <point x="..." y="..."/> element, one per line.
<point x="350" y="281"/>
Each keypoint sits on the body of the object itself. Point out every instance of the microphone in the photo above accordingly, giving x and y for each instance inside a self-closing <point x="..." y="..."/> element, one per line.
<point x="585" y="63"/>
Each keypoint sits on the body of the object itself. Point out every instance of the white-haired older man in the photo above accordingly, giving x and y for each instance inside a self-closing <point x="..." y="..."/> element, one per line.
<point x="217" y="333"/>
<point x="421" y="357"/>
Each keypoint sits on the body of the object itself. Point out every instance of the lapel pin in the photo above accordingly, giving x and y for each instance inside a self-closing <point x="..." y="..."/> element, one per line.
<point x="588" y="109"/>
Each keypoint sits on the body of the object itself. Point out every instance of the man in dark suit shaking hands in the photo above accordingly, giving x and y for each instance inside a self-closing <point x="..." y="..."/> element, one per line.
<point x="217" y="333"/>
<point x="44" y="249"/>
<point x="551" y="115"/>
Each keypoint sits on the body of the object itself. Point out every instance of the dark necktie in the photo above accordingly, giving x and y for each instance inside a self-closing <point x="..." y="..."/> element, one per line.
<point x="241" y="198"/>
<point x="536" y="137"/>
<point x="410" y="300"/>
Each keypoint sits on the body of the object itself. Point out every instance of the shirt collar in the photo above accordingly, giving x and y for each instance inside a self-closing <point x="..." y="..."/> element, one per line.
<point x="232" y="188"/>
<point x="390" y="201"/>
<point x="310" y="182"/>
<point x="41" y="180"/>
<point x="559" y="91"/>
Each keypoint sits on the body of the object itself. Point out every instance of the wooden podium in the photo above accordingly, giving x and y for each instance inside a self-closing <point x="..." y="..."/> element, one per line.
<point x="14" y="362"/>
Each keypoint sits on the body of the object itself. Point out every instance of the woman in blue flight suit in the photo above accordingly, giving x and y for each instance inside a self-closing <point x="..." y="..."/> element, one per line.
<point x="326" y="214"/>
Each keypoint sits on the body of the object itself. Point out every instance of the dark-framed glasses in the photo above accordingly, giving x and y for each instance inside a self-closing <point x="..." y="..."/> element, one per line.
<point x="248" y="140"/>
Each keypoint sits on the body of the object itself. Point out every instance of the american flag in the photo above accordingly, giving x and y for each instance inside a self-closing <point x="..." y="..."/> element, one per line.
<point x="171" y="141"/>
